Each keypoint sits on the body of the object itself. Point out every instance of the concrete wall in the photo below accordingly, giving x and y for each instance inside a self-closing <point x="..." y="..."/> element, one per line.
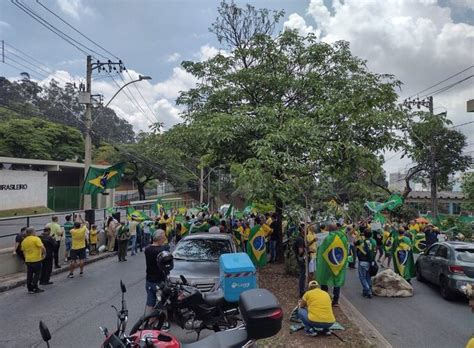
<point x="23" y="189"/>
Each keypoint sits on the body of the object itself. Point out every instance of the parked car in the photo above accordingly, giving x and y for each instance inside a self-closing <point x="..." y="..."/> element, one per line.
<point x="197" y="258"/>
<point x="449" y="265"/>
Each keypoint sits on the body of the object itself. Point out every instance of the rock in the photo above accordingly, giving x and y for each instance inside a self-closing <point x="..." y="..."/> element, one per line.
<point x="389" y="284"/>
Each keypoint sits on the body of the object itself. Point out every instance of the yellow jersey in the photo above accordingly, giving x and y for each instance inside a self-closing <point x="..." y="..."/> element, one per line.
<point x="32" y="248"/>
<point x="312" y="246"/>
<point x="319" y="306"/>
<point x="78" y="238"/>
<point x="93" y="236"/>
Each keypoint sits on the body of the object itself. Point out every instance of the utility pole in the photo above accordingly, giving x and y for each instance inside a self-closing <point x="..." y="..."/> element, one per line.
<point x="3" y="51"/>
<point x="201" y="186"/>
<point x="87" y="135"/>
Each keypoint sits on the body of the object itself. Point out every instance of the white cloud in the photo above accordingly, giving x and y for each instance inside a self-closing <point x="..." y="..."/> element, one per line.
<point x="416" y="40"/>
<point x="167" y="113"/>
<point x="173" y="57"/>
<point x="295" y="21"/>
<point x="468" y="4"/>
<point x="4" y="24"/>
<point x="74" y="8"/>
<point x="207" y="51"/>
<point x="179" y="81"/>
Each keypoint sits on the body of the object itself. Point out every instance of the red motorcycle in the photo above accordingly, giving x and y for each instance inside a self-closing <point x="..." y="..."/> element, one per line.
<point x="260" y="310"/>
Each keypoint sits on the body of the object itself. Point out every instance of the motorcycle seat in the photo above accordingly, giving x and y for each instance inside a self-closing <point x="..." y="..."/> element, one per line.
<point x="228" y="339"/>
<point x="214" y="298"/>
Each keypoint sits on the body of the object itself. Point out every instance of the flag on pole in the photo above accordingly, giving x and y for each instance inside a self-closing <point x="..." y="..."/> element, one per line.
<point x="100" y="179"/>
<point x="332" y="259"/>
<point x="136" y="214"/>
<point x="403" y="257"/>
<point x="390" y="204"/>
<point x="157" y="206"/>
<point x="111" y="210"/>
<point x="419" y="243"/>
<point x="229" y="211"/>
<point x="256" y="247"/>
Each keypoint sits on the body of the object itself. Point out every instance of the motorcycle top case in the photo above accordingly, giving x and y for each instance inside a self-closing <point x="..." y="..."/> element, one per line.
<point x="262" y="313"/>
<point x="237" y="274"/>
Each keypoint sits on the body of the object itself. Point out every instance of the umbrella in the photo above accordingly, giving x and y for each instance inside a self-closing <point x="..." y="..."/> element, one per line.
<point x="422" y="220"/>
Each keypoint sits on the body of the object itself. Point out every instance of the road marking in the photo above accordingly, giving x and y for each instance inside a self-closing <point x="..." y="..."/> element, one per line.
<point x="365" y="326"/>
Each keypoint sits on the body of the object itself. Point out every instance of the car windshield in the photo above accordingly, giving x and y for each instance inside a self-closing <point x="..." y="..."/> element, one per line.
<point x="201" y="249"/>
<point x="465" y="255"/>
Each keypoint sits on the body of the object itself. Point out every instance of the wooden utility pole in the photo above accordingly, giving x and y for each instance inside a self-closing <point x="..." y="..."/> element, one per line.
<point x="87" y="202"/>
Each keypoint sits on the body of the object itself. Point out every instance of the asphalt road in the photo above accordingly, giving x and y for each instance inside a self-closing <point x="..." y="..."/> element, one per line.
<point x="74" y="309"/>
<point x="424" y="320"/>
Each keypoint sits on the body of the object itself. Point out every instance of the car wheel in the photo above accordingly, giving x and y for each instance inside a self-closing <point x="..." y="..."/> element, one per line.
<point x="446" y="292"/>
<point x="419" y="277"/>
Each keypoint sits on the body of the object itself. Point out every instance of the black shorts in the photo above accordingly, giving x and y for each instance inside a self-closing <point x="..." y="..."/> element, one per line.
<point x="78" y="254"/>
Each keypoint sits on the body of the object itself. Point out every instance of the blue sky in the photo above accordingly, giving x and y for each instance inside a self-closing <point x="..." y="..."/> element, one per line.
<point x="420" y="41"/>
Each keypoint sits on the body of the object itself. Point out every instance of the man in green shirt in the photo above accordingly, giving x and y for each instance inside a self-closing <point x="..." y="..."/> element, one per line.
<point x="68" y="225"/>
<point x="56" y="232"/>
<point x="365" y="249"/>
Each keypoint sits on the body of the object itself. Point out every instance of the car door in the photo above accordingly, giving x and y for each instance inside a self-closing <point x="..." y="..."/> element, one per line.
<point x="427" y="263"/>
<point x="440" y="262"/>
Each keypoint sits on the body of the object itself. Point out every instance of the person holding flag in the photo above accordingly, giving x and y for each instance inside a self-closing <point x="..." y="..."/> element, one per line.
<point x="256" y="246"/>
<point x="387" y="246"/>
<point x="332" y="260"/>
<point x="403" y="261"/>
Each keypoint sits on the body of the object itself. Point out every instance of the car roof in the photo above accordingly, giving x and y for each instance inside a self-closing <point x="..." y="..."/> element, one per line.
<point x="459" y="244"/>
<point x="207" y="235"/>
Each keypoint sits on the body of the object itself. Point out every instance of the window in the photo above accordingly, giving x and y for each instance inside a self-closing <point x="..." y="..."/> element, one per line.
<point x="442" y="252"/>
<point x="201" y="249"/>
<point x="432" y="250"/>
<point x="465" y="255"/>
<point x="456" y="208"/>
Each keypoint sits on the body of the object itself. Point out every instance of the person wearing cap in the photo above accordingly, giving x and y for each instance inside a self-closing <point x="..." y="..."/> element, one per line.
<point x="316" y="310"/>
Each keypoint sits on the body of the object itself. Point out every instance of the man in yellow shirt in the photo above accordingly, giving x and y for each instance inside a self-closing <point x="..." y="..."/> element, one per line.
<point x="78" y="247"/>
<point x="57" y="234"/>
<point x="316" y="310"/>
<point x="34" y="252"/>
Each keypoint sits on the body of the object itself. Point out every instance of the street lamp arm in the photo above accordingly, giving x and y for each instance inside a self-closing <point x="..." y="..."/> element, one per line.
<point x="140" y="78"/>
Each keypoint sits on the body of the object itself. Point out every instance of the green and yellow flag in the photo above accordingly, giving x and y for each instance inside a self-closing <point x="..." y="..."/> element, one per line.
<point x="98" y="180"/>
<point x="136" y="214"/>
<point x="229" y="212"/>
<point x="419" y="243"/>
<point x="256" y="247"/>
<point x="157" y="206"/>
<point x="332" y="259"/>
<point x="403" y="257"/>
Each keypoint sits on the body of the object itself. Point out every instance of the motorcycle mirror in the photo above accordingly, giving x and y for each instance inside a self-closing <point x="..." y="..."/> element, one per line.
<point x="122" y="287"/>
<point x="183" y="280"/>
<point x="44" y="331"/>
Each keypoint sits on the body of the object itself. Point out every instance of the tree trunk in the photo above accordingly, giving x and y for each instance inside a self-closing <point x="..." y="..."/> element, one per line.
<point x="434" y="196"/>
<point x="279" y="214"/>
<point x="141" y="190"/>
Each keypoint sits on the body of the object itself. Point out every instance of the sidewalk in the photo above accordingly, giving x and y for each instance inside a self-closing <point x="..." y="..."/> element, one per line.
<point x="19" y="279"/>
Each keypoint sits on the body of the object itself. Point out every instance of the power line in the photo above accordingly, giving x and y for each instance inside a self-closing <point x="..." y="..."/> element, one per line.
<point x="76" y="30"/>
<point x="462" y="124"/>
<point x="42" y="75"/>
<point x="444" y="89"/>
<point x="26" y="55"/>
<point x="437" y="84"/>
<point x="143" y="98"/>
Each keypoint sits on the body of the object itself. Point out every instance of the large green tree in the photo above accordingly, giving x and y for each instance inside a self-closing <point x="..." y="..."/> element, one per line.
<point x="468" y="190"/>
<point x="286" y="108"/>
<point x="437" y="152"/>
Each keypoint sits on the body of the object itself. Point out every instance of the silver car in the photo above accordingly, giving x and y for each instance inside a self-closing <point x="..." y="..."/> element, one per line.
<point x="449" y="265"/>
<point x="196" y="257"/>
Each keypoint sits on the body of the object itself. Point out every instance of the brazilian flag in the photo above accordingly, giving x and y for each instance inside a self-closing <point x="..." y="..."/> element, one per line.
<point x="332" y="259"/>
<point x="237" y="237"/>
<point x="256" y="247"/>
<point x="387" y="243"/>
<point x="403" y="257"/>
<point x="229" y="212"/>
<point x="186" y="227"/>
<point x="136" y="214"/>
<point x="419" y="244"/>
<point x="100" y="179"/>
<point x="157" y="206"/>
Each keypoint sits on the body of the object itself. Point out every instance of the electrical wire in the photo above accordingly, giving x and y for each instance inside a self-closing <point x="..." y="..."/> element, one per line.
<point x="143" y="98"/>
<point x="437" y="84"/>
<point x="444" y="89"/>
<point x="25" y="54"/>
<point x="462" y="124"/>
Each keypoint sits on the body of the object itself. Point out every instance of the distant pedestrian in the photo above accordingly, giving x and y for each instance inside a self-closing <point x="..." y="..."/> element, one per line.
<point x="57" y="234"/>
<point x="17" y="246"/>
<point x="274" y="238"/>
<point x="47" y="263"/>
<point x="78" y="247"/>
<point x="93" y="238"/>
<point x="34" y="252"/>
<point x="68" y="226"/>
<point x="431" y="236"/>
<point x="111" y="228"/>
<point x="378" y="237"/>
<point x="123" y="237"/>
<point x="299" y="250"/>
<point x="213" y="228"/>
<point x="133" y="226"/>
<point x="223" y="227"/>
<point x="366" y="253"/>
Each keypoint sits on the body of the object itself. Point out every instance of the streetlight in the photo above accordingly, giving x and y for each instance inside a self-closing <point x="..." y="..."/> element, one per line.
<point x="140" y="78"/>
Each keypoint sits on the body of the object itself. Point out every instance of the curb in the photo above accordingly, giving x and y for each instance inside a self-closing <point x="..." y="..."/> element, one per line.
<point x="64" y="268"/>
<point x="365" y="326"/>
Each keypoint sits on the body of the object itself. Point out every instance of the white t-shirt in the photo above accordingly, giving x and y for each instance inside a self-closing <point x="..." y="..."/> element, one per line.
<point x="214" y="229"/>
<point x="133" y="227"/>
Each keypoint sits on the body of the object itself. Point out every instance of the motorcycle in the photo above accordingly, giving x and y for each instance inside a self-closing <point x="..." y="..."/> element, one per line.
<point x="261" y="312"/>
<point x="190" y="309"/>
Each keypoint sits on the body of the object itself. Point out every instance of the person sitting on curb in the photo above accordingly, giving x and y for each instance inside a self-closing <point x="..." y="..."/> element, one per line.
<point x="316" y="310"/>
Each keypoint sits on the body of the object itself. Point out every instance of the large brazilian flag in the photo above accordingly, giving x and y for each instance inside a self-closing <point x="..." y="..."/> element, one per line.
<point x="100" y="179"/>
<point x="136" y="214"/>
<point x="332" y="259"/>
<point x="256" y="248"/>
<point x="403" y="261"/>
<point x="419" y="243"/>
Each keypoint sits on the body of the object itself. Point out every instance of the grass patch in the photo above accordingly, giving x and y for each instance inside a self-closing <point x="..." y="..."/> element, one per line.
<point x="25" y="211"/>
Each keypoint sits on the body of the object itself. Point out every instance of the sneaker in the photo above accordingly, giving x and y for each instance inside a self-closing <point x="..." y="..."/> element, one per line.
<point x="328" y="332"/>
<point x="335" y="304"/>
<point x="70" y="275"/>
<point x="38" y="290"/>
<point x="311" y="333"/>
<point x="31" y="292"/>
<point x="81" y="274"/>
<point x="369" y="296"/>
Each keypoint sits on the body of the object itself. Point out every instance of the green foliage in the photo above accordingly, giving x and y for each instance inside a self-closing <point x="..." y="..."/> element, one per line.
<point x="468" y="190"/>
<point x="405" y="212"/>
<point x="289" y="112"/>
<point x="39" y="139"/>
